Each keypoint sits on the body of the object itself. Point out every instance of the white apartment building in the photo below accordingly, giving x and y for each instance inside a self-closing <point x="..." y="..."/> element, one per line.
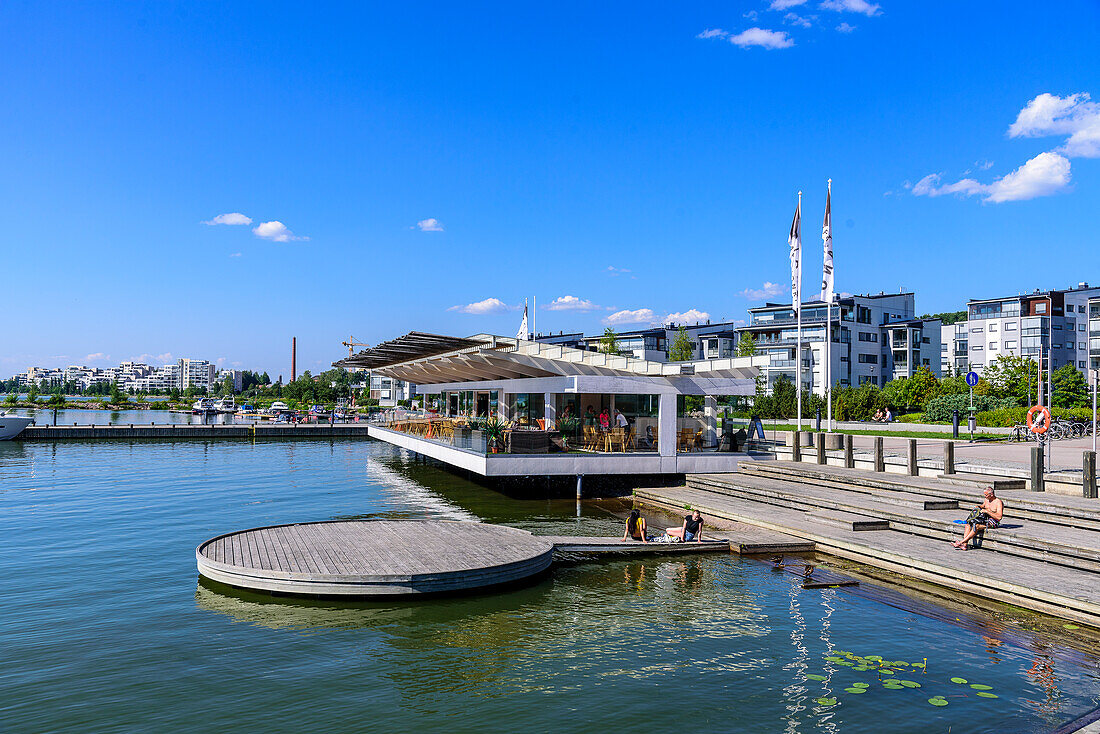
<point x="389" y="392"/>
<point x="237" y="376"/>
<point x="1055" y="322"/>
<point x="197" y="373"/>
<point x="1094" y="338"/>
<point x="863" y="349"/>
<point x="954" y="349"/>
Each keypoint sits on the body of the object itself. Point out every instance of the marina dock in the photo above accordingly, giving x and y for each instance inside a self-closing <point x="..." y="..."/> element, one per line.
<point x="394" y="558"/>
<point x="178" y="431"/>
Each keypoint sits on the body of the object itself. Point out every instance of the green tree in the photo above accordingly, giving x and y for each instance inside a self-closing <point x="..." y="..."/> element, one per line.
<point x="683" y="348"/>
<point x="609" y="342"/>
<point x="1011" y="377"/>
<point x="1070" y="388"/>
<point x="118" y="397"/>
<point x="32" y="393"/>
<point x="227" y="386"/>
<point x="57" y="399"/>
<point x="923" y="386"/>
<point x="13" y="397"/>
<point x="746" y="345"/>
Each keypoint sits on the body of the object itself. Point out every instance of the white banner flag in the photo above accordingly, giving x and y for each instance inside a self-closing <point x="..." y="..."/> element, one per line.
<point x="827" y="238"/>
<point x="795" y="241"/>
<point x="524" y="332"/>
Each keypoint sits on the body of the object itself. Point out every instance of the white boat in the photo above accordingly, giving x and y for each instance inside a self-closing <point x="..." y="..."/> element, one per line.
<point x="203" y="406"/>
<point x="226" y="405"/>
<point x="12" y="425"/>
<point x="278" y="407"/>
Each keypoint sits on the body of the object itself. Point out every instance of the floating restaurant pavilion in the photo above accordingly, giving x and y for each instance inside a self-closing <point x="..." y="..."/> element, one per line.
<point x="559" y="411"/>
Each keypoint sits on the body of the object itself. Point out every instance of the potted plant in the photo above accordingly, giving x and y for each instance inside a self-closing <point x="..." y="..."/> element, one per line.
<point x="568" y="427"/>
<point x="494" y="433"/>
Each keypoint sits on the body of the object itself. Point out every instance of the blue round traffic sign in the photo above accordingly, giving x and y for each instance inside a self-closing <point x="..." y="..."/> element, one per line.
<point x="972" y="379"/>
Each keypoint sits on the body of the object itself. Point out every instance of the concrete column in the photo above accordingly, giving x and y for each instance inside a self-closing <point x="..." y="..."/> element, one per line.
<point x="913" y="469"/>
<point x="796" y="445"/>
<point x="880" y="459"/>
<point x="1088" y="477"/>
<point x="710" y="411"/>
<point x="580" y="485"/>
<point x="849" y="451"/>
<point x="666" y="425"/>
<point x="550" y="411"/>
<point x="820" y="440"/>
<point x="948" y="457"/>
<point x="1037" y="469"/>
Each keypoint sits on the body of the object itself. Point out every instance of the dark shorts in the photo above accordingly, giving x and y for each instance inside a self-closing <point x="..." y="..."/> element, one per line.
<point x="986" y="520"/>
<point x="688" y="536"/>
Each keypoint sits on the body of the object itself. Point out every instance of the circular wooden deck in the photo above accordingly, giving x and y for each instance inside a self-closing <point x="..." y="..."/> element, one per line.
<point x="365" y="558"/>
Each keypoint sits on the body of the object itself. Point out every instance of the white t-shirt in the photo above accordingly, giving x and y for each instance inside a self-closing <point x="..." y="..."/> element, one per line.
<point x="621" y="420"/>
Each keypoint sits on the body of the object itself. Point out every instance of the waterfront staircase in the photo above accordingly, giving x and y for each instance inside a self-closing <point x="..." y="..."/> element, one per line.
<point x="1046" y="555"/>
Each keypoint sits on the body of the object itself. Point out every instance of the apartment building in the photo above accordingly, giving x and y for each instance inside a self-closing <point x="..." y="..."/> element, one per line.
<point x="1094" y="338"/>
<point x="709" y="341"/>
<point x="954" y="349"/>
<point x="1054" y="322"/>
<point x="197" y="373"/>
<point x="389" y="391"/>
<point x="873" y="337"/>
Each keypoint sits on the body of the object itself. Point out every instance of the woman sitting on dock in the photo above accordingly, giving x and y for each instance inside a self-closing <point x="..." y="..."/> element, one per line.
<point x="691" y="530"/>
<point x="635" y="527"/>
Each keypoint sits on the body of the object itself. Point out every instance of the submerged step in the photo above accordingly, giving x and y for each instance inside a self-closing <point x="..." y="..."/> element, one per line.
<point x="850" y="520"/>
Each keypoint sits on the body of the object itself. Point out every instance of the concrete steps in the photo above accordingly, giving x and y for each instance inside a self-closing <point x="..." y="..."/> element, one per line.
<point x="1032" y="539"/>
<point x="849" y="520"/>
<point x="1075" y="512"/>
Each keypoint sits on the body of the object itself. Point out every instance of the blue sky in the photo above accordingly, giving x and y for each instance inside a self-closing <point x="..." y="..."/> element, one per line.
<point x="400" y="162"/>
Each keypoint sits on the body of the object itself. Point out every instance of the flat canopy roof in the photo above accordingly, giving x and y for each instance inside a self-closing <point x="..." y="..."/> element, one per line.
<point x="414" y="345"/>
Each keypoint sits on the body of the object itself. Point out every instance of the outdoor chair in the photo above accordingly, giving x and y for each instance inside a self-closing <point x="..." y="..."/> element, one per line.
<point x="615" y="438"/>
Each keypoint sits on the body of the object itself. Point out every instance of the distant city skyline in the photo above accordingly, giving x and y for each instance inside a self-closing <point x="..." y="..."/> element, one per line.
<point x="196" y="183"/>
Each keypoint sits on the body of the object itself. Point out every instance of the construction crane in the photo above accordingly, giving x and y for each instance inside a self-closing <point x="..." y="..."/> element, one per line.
<point x="351" y="344"/>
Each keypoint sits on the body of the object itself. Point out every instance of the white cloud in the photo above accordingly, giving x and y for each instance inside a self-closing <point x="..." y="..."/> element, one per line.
<point x="1043" y="175"/>
<point x="851" y="6"/>
<point x="638" y="316"/>
<point x="1073" y="115"/>
<point x="480" y="308"/>
<point x="231" y="218"/>
<point x="97" y="357"/>
<point x="763" y="38"/>
<point x="275" y="231"/>
<point x="572" y="303"/>
<point x="751" y="15"/>
<point x="785" y="4"/>
<point x="768" y="290"/>
<point x="713" y="33"/>
<point x="845" y="27"/>
<point x="983" y="165"/>
<point x="613" y="271"/>
<point x="798" y="20"/>
<point x="234" y="254"/>
<point x="690" y="316"/>
<point x="431" y="224"/>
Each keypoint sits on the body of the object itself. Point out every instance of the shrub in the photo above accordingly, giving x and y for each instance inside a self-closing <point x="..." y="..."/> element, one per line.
<point x="941" y="408"/>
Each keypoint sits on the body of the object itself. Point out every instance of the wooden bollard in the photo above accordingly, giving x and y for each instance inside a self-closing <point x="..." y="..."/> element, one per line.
<point x="1088" y="474"/>
<point x="796" y="445"/>
<point x="880" y="458"/>
<point x="1037" y="469"/>
<point x="948" y="457"/>
<point x="820" y="438"/>
<point x="914" y="470"/>
<point x="849" y="451"/>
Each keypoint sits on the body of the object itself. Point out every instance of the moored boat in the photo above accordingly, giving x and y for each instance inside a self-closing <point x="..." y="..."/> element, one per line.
<point x="12" y="425"/>
<point x="203" y="406"/>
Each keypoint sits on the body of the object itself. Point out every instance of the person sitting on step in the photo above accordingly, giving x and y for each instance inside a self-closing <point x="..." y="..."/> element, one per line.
<point x="987" y="515"/>
<point x="635" y="527"/>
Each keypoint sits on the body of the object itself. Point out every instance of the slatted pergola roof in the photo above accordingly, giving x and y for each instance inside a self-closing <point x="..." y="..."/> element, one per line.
<point x="412" y="346"/>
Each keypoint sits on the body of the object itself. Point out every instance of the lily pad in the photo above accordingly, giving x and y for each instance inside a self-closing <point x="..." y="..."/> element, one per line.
<point x="834" y="659"/>
<point x="873" y="657"/>
<point x="1071" y="626"/>
<point x="845" y="663"/>
<point x="919" y="665"/>
<point x="985" y="694"/>
<point x="909" y="683"/>
<point x="827" y="701"/>
<point x="814" y="676"/>
<point x="960" y="681"/>
<point x="937" y="701"/>
<point x="892" y="685"/>
<point x="861" y="668"/>
<point x="855" y="690"/>
<point x="861" y="685"/>
<point x="980" y="687"/>
<point x="886" y="671"/>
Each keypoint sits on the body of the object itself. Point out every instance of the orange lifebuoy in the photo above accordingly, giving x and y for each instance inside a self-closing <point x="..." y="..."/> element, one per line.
<point x="1043" y="423"/>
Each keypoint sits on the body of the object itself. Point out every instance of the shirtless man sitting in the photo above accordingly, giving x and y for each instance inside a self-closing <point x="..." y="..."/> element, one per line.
<point x="990" y="513"/>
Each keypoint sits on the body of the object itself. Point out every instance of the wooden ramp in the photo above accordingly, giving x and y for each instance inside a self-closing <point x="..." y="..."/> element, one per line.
<point x="375" y="558"/>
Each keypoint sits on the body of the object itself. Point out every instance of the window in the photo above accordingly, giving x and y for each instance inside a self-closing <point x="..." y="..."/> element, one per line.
<point x="1081" y="308"/>
<point x="925" y="340"/>
<point x="1057" y="327"/>
<point x="1010" y="345"/>
<point x="868" y="359"/>
<point x="977" y="365"/>
<point x="844" y="358"/>
<point x="868" y="337"/>
<point x="1010" y="326"/>
<point x="993" y="346"/>
<point x="1082" y="345"/>
<point x="1081" y="364"/>
<point x="977" y="330"/>
<point x="1081" y="327"/>
<point x="926" y="362"/>
<point x="1040" y="308"/>
<point x="992" y="327"/>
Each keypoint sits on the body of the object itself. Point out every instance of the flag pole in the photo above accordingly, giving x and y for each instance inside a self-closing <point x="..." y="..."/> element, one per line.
<point x="798" y="329"/>
<point x="829" y="319"/>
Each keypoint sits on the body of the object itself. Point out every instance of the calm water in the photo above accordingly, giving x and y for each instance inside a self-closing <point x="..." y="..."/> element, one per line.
<point x="69" y="416"/>
<point x="105" y="626"/>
